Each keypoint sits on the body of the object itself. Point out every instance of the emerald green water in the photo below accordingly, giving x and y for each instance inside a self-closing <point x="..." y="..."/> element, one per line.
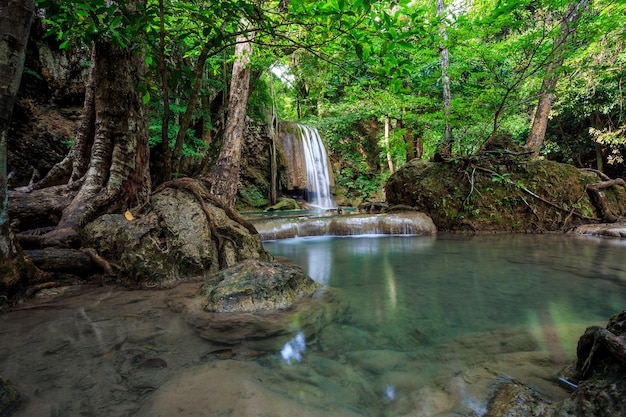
<point x="432" y="326"/>
<point x="449" y="286"/>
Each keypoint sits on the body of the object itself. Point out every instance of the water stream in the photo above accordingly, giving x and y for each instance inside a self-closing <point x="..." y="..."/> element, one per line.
<point x="433" y="324"/>
<point x="318" y="177"/>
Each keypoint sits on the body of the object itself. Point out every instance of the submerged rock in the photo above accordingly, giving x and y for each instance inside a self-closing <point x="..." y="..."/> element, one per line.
<point x="253" y="286"/>
<point x="263" y="303"/>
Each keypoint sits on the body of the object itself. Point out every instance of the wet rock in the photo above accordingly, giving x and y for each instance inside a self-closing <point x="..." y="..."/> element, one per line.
<point x="9" y="397"/>
<point x="174" y="239"/>
<point x="514" y="399"/>
<point x="598" y="377"/>
<point x="252" y="286"/>
<point x="263" y="303"/>
<point x="406" y="223"/>
<point x="605" y="229"/>
<point x="284" y="203"/>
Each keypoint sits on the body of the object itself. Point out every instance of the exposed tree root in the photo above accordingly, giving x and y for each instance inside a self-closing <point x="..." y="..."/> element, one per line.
<point x="201" y="194"/>
<point x="532" y="194"/>
<point x="598" y="341"/>
<point x="34" y="289"/>
<point x="599" y="200"/>
<point x="100" y="261"/>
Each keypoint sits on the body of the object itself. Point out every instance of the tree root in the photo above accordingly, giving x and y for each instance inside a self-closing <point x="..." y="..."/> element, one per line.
<point x="201" y="194"/>
<point x="593" y="342"/>
<point x="106" y="266"/>
<point x="597" y="197"/>
<point x="532" y="194"/>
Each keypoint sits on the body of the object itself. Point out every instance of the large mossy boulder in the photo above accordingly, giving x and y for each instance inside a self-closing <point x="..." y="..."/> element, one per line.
<point x="500" y="193"/>
<point x="259" y="303"/>
<point x="178" y="236"/>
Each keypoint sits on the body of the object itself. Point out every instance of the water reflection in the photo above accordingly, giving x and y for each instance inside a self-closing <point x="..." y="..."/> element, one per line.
<point x="293" y="350"/>
<point x="431" y="325"/>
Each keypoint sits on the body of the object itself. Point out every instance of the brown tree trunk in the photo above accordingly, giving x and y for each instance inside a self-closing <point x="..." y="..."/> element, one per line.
<point x="15" y="20"/>
<point x="163" y="171"/>
<point x="224" y="180"/>
<point x="445" y="80"/>
<point x="540" y="122"/>
<point x="75" y="164"/>
<point x="118" y="175"/>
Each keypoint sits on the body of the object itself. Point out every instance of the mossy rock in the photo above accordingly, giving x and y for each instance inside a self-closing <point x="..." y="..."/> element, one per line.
<point x="284" y="204"/>
<point x="9" y="397"/>
<point x="175" y="238"/>
<point x="501" y="193"/>
<point x="253" y="285"/>
<point x="260" y="304"/>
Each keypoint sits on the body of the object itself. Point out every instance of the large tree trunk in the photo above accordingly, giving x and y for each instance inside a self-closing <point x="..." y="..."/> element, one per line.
<point x="15" y="20"/>
<point x="224" y="180"/>
<point x="75" y="164"/>
<point x="118" y="174"/>
<point x="540" y="122"/>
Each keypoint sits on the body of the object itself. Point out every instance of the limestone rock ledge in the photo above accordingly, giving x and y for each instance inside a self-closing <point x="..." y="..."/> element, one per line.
<point x="405" y="223"/>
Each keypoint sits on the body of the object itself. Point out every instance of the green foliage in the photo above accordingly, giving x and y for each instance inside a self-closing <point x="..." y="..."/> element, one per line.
<point x="348" y="65"/>
<point x="193" y="146"/>
<point x="250" y="196"/>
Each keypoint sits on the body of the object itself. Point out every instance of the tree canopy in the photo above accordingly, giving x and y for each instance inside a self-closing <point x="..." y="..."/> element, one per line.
<point x="339" y="62"/>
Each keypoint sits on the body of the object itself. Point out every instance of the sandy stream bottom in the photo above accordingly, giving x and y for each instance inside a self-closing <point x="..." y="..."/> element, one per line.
<point x="98" y="351"/>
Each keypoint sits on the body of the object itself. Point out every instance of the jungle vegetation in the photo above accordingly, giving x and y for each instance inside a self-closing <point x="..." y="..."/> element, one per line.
<point x="385" y="81"/>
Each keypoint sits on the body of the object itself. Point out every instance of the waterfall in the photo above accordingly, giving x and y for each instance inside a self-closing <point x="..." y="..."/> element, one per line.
<point x="307" y="174"/>
<point x="317" y="172"/>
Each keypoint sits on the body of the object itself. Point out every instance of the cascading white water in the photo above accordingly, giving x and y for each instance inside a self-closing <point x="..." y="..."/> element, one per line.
<point x="318" y="177"/>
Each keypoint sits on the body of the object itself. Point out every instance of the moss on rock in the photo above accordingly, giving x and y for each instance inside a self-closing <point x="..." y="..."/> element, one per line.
<point x="501" y="193"/>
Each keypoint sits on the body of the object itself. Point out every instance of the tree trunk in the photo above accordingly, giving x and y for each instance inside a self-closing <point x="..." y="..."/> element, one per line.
<point x="118" y="175"/>
<point x="445" y="80"/>
<point x="191" y="107"/>
<point x="387" y="145"/>
<point x="163" y="171"/>
<point x="15" y="20"/>
<point x="75" y="164"/>
<point x="540" y="122"/>
<point x="224" y="180"/>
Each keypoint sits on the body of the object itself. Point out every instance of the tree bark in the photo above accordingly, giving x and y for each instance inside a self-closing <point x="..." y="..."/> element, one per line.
<point x="75" y="164"/>
<point x="445" y="80"/>
<point x="387" y="144"/>
<point x="542" y="114"/>
<point x="16" y="17"/>
<point x="164" y="160"/>
<point x="118" y="174"/>
<point x="224" y="180"/>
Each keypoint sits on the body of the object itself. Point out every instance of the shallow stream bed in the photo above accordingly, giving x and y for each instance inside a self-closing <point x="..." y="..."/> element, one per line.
<point x="433" y="324"/>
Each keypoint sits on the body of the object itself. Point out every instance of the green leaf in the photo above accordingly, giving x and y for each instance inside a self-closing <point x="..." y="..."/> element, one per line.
<point x="359" y="51"/>
<point x="146" y="98"/>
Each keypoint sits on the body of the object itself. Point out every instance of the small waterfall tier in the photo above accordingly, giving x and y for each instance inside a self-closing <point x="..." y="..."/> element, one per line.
<point x="307" y="166"/>
<point x="412" y="223"/>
